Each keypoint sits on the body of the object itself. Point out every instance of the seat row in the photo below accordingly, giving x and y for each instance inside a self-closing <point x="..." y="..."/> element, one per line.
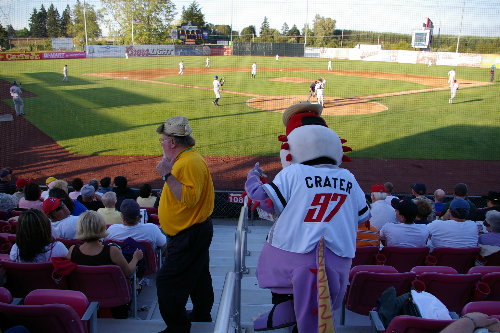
<point x="49" y="310"/>
<point x="405" y="258"/>
<point x="368" y="282"/>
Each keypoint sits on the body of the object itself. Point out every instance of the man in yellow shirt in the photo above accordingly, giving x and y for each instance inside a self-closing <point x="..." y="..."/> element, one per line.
<point x="186" y="203"/>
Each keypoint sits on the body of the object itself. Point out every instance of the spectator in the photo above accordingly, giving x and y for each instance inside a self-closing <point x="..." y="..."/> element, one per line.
<point x="34" y="242"/>
<point x="77" y="185"/>
<point x="6" y="185"/>
<point x="473" y="322"/>
<point x="7" y="202"/>
<point x="381" y="212"/>
<point x="424" y="209"/>
<point x="419" y="190"/>
<point x="60" y="183"/>
<point x="122" y="191"/>
<point x="145" y="198"/>
<point x="105" y="186"/>
<point x="367" y="235"/>
<point x="439" y="196"/>
<point x="186" y="204"/>
<point x="460" y="192"/>
<point x="492" y="203"/>
<point x="109" y="212"/>
<point x="91" y="229"/>
<point x="75" y="207"/>
<point x="406" y="233"/>
<point x="389" y="187"/>
<point x="492" y="224"/>
<point x="48" y="181"/>
<point x="20" y="184"/>
<point x="31" y="198"/>
<point x="455" y="232"/>
<point x="88" y="198"/>
<point x="95" y="183"/>
<point x="131" y="215"/>
<point x="63" y="223"/>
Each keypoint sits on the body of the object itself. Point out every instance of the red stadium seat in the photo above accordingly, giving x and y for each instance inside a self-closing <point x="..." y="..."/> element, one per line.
<point x="365" y="255"/>
<point x="403" y="258"/>
<point x="491" y="308"/>
<point x="23" y="278"/>
<point x="408" y="324"/>
<point x="433" y="269"/>
<point x="493" y="282"/>
<point x="462" y="259"/>
<point x="484" y="269"/>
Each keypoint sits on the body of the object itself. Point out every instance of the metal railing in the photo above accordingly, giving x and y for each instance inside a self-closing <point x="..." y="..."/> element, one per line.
<point x="230" y="303"/>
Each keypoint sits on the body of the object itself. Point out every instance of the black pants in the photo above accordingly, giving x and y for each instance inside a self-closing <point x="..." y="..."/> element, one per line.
<point x="186" y="274"/>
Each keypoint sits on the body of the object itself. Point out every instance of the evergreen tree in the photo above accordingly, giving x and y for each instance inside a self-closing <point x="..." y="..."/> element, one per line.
<point x="264" y="28"/>
<point x="4" y="38"/>
<point x="284" y="29"/>
<point x="11" y="32"/>
<point x="42" y="22"/>
<point x="34" y="23"/>
<point x="53" y="22"/>
<point x="65" y="22"/>
<point x="193" y="14"/>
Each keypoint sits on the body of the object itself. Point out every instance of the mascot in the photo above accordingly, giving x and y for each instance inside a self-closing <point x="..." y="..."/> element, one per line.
<point x="316" y="206"/>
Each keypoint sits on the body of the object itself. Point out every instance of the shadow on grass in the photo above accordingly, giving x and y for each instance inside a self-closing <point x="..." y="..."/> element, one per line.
<point x="55" y="79"/>
<point x="458" y="142"/>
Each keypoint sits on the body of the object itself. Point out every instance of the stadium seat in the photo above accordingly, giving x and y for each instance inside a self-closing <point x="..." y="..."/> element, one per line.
<point x="23" y="278"/>
<point x="365" y="255"/>
<point x="150" y="256"/>
<point x="104" y="284"/>
<point x="492" y="259"/>
<point x="484" y="269"/>
<point x="403" y="258"/>
<point x="408" y="324"/>
<point x="462" y="259"/>
<point x="153" y="218"/>
<point x="55" y="311"/>
<point x="454" y="290"/>
<point x="6" y="243"/>
<point x="418" y="270"/>
<point x="69" y="242"/>
<point x="366" y="287"/>
<point x="5" y="295"/>
<point x="5" y="227"/>
<point x="491" y="308"/>
<point x="493" y="282"/>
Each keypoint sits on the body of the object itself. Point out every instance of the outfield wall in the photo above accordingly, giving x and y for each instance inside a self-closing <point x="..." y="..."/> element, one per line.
<point x="405" y="57"/>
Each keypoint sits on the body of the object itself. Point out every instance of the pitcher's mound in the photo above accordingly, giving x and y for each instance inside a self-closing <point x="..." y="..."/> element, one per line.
<point x="334" y="106"/>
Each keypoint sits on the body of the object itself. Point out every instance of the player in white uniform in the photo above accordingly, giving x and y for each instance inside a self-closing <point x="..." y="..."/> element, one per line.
<point x="16" y="92"/>
<point x="451" y="77"/>
<point x="277" y="57"/>
<point x="453" y="91"/>
<point x="314" y="202"/>
<point x="320" y="89"/>
<point x="181" y="68"/>
<point x="217" y="86"/>
<point x="330" y="65"/>
<point x="207" y="62"/>
<point x="254" y="70"/>
<point x="65" y="73"/>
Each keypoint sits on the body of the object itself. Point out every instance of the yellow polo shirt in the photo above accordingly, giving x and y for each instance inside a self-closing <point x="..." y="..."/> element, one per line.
<point x="197" y="203"/>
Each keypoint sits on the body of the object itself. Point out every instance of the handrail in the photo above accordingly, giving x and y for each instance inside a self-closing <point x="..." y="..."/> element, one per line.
<point x="226" y="304"/>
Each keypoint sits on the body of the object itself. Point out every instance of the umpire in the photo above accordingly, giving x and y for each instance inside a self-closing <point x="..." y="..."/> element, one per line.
<point x="186" y="203"/>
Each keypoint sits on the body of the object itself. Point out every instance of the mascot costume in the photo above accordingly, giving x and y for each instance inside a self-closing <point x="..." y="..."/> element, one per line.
<point x="316" y="206"/>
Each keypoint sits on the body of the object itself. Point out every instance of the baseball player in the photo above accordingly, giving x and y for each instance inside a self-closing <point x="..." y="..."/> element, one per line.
<point x="16" y="92"/>
<point x="254" y="70"/>
<point x="453" y="89"/>
<point x="65" y="73"/>
<point x="451" y="76"/>
<point x="492" y="72"/>
<point x="312" y="89"/>
<point x="181" y="68"/>
<point x="217" y="87"/>
<point x="277" y="57"/>
<point x="207" y="62"/>
<point x="329" y="65"/>
<point x="320" y="89"/>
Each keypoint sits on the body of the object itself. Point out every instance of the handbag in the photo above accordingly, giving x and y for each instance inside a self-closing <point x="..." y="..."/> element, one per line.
<point x="62" y="267"/>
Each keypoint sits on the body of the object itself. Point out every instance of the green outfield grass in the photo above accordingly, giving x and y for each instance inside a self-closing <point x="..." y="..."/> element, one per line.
<point x="94" y="115"/>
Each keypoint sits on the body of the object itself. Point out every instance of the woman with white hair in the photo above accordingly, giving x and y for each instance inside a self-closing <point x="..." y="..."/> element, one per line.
<point x="109" y="212"/>
<point x="492" y="224"/>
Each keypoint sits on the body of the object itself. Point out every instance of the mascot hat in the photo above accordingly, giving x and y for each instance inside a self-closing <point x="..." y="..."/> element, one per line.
<point x="308" y="136"/>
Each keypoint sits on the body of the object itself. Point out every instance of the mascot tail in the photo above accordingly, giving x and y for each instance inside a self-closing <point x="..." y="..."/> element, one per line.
<point x="325" y="313"/>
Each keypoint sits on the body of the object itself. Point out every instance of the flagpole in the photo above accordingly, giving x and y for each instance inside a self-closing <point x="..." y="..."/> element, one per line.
<point x="132" y="31"/>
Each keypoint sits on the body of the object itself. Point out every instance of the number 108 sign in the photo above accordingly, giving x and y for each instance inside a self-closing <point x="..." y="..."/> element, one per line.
<point x="235" y="198"/>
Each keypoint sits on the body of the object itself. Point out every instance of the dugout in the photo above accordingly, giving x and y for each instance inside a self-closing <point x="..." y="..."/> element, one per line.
<point x="268" y="49"/>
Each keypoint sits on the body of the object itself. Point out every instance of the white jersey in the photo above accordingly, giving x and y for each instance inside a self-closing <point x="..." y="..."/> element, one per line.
<point x="217" y="85"/>
<point x="454" y="87"/>
<point x="65" y="71"/>
<point x="181" y="65"/>
<point x="451" y="76"/>
<point x="314" y="202"/>
<point x="254" y="69"/>
<point x="320" y="85"/>
<point x="15" y="91"/>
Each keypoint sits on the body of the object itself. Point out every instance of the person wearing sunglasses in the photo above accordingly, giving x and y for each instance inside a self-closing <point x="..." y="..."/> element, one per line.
<point x="63" y="223"/>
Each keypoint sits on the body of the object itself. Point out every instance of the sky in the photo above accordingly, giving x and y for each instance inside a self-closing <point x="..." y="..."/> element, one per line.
<point x="450" y="17"/>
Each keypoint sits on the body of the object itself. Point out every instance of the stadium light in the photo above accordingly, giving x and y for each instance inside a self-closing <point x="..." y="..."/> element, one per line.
<point x="85" y="25"/>
<point x="460" y="32"/>
<point x="307" y="25"/>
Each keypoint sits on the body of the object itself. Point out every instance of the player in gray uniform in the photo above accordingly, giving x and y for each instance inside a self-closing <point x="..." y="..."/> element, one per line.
<point x="16" y="92"/>
<point x="254" y="70"/>
<point x="65" y="73"/>
<point x="207" y="62"/>
<point x="217" y="86"/>
<point x="181" y="68"/>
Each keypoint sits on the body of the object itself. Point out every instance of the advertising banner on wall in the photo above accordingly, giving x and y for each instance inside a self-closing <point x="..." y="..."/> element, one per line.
<point x="150" y="50"/>
<point x="63" y="55"/>
<point x="41" y="56"/>
<point x="20" y="56"/>
<point x="62" y="44"/>
<point x="192" y="50"/>
<point x="105" y="51"/>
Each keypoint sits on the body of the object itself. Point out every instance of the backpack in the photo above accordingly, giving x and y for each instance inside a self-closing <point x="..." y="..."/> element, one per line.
<point x="389" y="306"/>
<point x="128" y="247"/>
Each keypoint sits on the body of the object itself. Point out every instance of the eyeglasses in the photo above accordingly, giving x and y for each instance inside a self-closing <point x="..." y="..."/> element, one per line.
<point x="61" y="206"/>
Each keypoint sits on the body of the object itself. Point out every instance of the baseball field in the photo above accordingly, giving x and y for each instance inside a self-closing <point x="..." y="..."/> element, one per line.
<point x="396" y="118"/>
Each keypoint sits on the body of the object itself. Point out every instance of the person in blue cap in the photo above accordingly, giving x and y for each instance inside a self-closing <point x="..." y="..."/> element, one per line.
<point x="217" y="87"/>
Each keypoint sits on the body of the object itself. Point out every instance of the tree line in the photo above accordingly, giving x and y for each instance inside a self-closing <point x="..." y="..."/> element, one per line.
<point x="150" y="21"/>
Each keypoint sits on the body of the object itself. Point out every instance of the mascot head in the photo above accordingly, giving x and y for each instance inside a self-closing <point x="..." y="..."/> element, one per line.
<point x="308" y="138"/>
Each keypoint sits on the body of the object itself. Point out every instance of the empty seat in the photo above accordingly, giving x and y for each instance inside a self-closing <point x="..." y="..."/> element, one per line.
<point x="493" y="282"/>
<point x="491" y="308"/>
<point x="484" y="269"/>
<point x="403" y="258"/>
<point x="23" y="278"/>
<point x="365" y="255"/>
<point x="433" y="269"/>
<point x="462" y="259"/>
<point x="408" y="324"/>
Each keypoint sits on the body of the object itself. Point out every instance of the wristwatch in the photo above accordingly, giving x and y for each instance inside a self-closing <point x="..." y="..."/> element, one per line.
<point x="166" y="176"/>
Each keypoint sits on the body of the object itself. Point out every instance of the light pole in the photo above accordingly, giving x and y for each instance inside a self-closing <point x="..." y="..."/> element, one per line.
<point x="460" y="32"/>
<point x="307" y="25"/>
<point x="232" y="2"/>
<point x="85" y="25"/>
